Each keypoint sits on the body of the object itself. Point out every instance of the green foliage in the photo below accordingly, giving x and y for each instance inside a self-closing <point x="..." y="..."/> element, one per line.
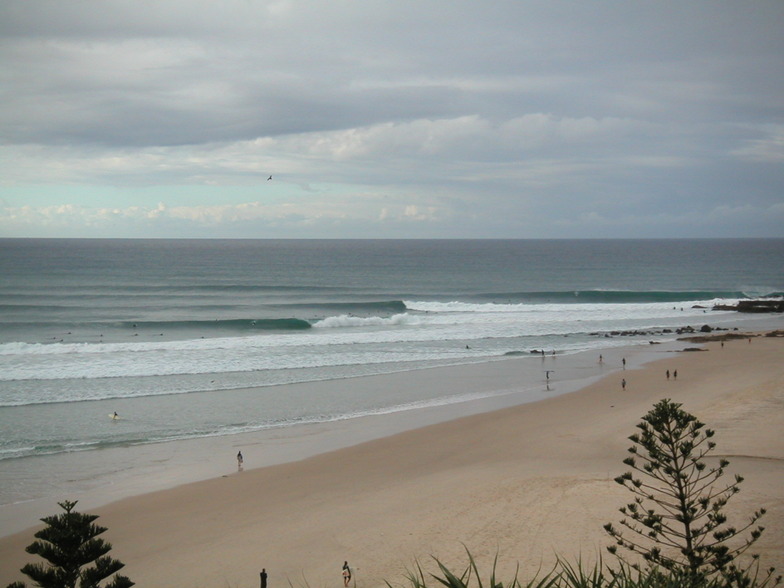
<point x="69" y="543"/>
<point x="677" y="521"/>
<point x="449" y="579"/>
<point x="565" y="575"/>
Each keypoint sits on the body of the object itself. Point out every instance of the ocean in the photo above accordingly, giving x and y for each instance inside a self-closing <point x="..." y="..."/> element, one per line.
<point x="189" y="339"/>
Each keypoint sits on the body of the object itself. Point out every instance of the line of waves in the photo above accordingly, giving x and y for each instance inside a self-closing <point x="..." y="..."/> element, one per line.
<point x="193" y="334"/>
<point x="284" y="324"/>
<point x="199" y="326"/>
<point x="627" y="296"/>
<point x="363" y="307"/>
<point x="133" y="307"/>
<point x="302" y="313"/>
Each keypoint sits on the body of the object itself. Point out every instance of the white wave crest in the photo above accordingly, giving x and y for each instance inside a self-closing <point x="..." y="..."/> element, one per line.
<point x="758" y="291"/>
<point x="345" y="320"/>
<point x="454" y="306"/>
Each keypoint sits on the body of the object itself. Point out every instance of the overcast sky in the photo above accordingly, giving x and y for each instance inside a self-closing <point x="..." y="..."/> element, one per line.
<point x="413" y="119"/>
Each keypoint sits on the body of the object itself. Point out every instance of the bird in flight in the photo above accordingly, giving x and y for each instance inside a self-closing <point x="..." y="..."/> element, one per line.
<point x="269" y="178"/>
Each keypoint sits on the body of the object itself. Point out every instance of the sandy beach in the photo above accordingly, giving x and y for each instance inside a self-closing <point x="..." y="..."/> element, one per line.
<point x="524" y="483"/>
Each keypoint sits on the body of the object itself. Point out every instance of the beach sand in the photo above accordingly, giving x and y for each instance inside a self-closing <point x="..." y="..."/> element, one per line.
<point x="524" y="483"/>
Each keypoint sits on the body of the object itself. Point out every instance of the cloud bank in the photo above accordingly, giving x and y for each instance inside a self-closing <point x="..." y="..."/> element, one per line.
<point x="516" y="119"/>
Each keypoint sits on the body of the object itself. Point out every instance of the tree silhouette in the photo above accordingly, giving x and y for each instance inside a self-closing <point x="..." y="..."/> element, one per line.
<point x="677" y="519"/>
<point x="69" y="543"/>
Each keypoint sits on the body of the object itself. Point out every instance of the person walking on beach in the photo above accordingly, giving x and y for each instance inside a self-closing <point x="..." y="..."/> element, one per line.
<point x="239" y="460"/>
<point x="623" y="361"/>
<point x="623" y="384"/>
<point x="346" y="574"/>
<point x="668" y="374"/>
<point x="263" y="577"/>
<point x="675" y="375"/>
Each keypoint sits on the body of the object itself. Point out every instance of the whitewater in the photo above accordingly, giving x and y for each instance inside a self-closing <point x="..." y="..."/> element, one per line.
<point x="429" y="334"/>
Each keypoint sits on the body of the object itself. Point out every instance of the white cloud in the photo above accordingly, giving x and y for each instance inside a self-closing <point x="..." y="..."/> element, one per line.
<point x="768" y="149"/>
<point x="377" y="149"/>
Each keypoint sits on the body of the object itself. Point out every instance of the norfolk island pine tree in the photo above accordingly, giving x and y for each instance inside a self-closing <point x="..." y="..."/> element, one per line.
<point x="70" y="543"/>
<point x="677" y="520"/>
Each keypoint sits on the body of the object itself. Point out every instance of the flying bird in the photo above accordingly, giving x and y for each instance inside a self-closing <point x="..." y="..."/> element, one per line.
<point x="269" y="178"/>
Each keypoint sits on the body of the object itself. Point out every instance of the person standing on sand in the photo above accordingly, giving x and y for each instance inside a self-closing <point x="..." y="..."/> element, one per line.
<point x="239" y="460"/>
<point x="623" y="361"/>
<point x="263" y="577"/>
<point x="346" y="574"/>
<point x="623" y="384"/>
<point x="675" y="375"/>
<point x="668" y="374"/>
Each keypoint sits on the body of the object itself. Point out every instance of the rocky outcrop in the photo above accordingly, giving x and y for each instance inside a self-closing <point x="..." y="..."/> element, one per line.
<point x="753" y="306"/>
<point x="688" y="329"/>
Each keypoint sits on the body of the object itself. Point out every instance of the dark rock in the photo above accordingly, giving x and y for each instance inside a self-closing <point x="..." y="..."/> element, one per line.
<point x="761" y="306"/>
<point x="756" y="306"/>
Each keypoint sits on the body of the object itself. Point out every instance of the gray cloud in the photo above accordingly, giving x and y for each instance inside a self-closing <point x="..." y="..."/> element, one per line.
<point x="517" y="119"/>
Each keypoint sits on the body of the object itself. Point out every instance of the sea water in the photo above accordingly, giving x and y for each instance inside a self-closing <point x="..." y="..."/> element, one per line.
<point x="191" y="339"/>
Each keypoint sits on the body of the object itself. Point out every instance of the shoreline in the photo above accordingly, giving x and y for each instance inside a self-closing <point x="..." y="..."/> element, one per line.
<point x="95" y="479"/>
<point x="392" y="469"/>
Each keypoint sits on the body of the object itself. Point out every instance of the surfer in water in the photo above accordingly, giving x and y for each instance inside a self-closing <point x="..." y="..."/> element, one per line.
<point x="115" y="416"/>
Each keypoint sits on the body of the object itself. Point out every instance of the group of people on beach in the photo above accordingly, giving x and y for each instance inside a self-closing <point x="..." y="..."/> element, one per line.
<point x="345" y="572"/>
<point x="623" y="380"/>
<point x="667" y="373"/>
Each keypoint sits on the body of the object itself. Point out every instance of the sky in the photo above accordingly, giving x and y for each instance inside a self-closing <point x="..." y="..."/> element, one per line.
<point x="391" y="119"/>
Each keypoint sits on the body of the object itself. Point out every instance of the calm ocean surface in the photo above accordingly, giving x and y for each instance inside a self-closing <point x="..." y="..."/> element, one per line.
<point x="170" y="333"/>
